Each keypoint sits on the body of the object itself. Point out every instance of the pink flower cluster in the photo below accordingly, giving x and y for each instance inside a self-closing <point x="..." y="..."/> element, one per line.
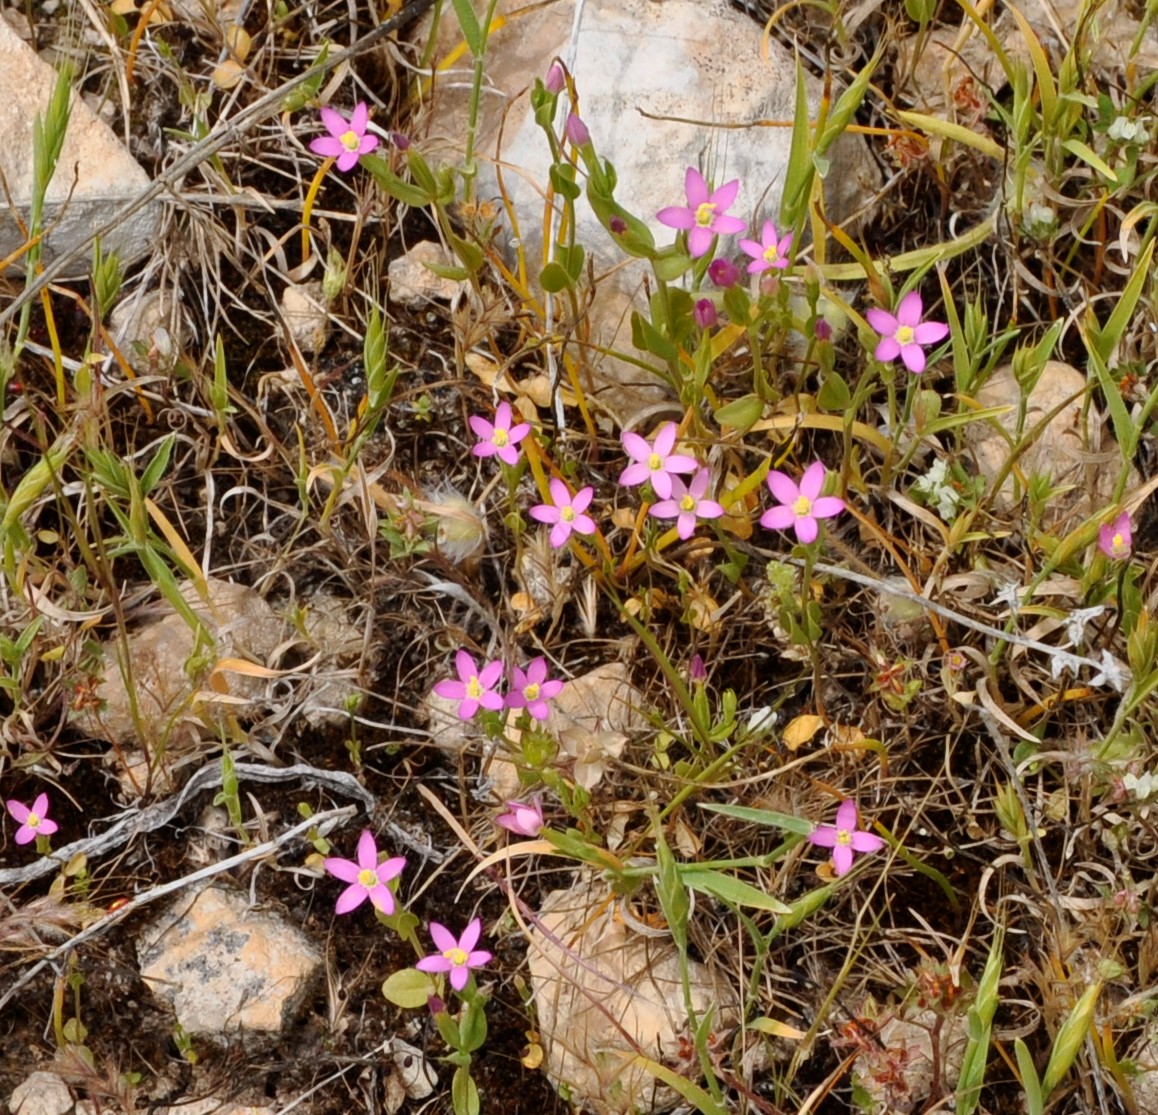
<point x="369" y="878"/>
<point x="656" y="464"/>
<point x="477" y="688"/>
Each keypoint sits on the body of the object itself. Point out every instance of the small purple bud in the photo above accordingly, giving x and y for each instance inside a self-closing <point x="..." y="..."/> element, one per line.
<point x="705" y="313"/>
<point x="618" y="225"/>
<point x="436" y="1005"/>
<point x="556" y="78"/>
<point x="822" y="330"/>
<point x="400" y="140"/>
<point x="576" y="130"/>
<point x="724" y="273"/>
<point x="697" y="671"/>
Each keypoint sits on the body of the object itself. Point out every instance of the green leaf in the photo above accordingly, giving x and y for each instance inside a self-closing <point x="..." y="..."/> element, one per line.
<point x="645" y="336"/>
<point x="408" y="988"/>
<point x="732" y="890"/>
<point x="554" y="278"/>
<point x="472" y="33"/>
<point x="464" y="1093"/>
<point x="1069" y="1039"/>
<point x="393" y="186"/>
<point x="1029" y="1082"/>
<point x="673" y="896"/>
<point x="798" y="176"/>
<point x="473" y="1026"/>
<point x="155" y="469"/>
<point x="1088" y="155"/>
<point x="978" y="1026"/>
<point x="834" y="393"/>
<point x="741" y="414"/>
<point x="785" y="821"/>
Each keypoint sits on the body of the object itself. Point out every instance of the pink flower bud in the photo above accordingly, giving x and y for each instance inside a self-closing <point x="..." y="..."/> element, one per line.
<point x="822" y="330"/>
<point x="556" y="78"/>
<point x="576" y="130"/>
<point x="724" y="273"/>
<point x="705" y="313"/>
<point x="618" y="225"/>
<point x="697" y="671"/>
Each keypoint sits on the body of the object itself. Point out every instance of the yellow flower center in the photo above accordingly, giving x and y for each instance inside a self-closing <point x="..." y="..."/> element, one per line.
<point x="655" y="462"/>
<point x="705" y="213"/>
<point x="350" y="140"/>
<point x="474" y="689"/>
<point x="567" y="514"/>
<point x="802" y="506"/>
<point x="457" y="957"/>
<point x="499" y="438"/>
<point x="772" y="253"/>
<point x="368" y="878"/>
<point x="33" y="821"/>
<point x="843" y="836"/>
<point x="904" y="334"/>
<point x="687" y="503"/>
<point x="1117" y="544"/>
<point x="531" y="692"/>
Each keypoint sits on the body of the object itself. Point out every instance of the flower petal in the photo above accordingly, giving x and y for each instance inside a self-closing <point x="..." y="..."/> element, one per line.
<point x="347" y="160"/>
<point x="783" y="487"/>
<point x="812" y="481"/>
<point x="20" y="811"/>
<point x="459" y="977"/>
<point x="442" y="937"/>
<point x="391" y="868"/>
<point x="582" y="499"/>
<point x="930" y="332"/>
<point x="752" y="248"/>
<point x="560" y="493"/>
<point x="846" y="815"/>
<point x="636" y="448"/>
<point x="490" y="673"/>
<point x="725" y="225"/>
<point x="449" y="689"/>
<point x="544" y="513"/>
<point x="470" y="935"/>
<point x="887" y="350"/>
<point x="824" y="836"/>
<point x="699" y="241"/>
<point x="334" y="122"/>
<point x="827" y="506"/>
<point x="841" y="859"/>
<point x="359" y="118"/>
<point x="382" y="899"/>
<point x="478" y="958"/>
<point x="344" y="869"/>
<point x="677" y="216"/>
<point x="866" y="842"/>
<point x="326" y="146"/>
<point x="367" y="851"/>
<point x="806" y="529"/>
<point x="913" y="357"/>
<point x="724" y="195"/>
<point x="778" y="518"/>
<point x="695" y="188"/>
<point x="351" y="898"/>
<point x="560" y="532"/>
<point x="436" y="963"/>
<point x="909" y="309"/>
<point x="882" y="321"/>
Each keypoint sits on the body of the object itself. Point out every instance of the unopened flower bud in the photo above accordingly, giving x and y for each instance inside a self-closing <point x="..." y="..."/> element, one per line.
<point x="705" y="313"/>
<point x="556" y="78"/>
<point x="724" y="273"/>
<point x="576" y="130"/>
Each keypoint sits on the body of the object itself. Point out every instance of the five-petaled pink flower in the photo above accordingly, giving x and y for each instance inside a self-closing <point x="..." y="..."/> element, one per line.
<point x="844" y="838"/>
<point x="770" y="251"/>
<point x="347" y="141"/>
<point x="34" y="822"/>
<point x="474" y="686"/>
<point x="905" y="334"/>
<point x="565" y="511"/>
<point x="800" y="506"/>
<point x="687" y="503"/>
<point x="655" y="462"/>
<point x="532" y="689"/>
<point x="706" y="214"/>
<point x="367" y="877"/>
<point x="456" y="956"/>
<point x="499" y="439"/>
<point x="1116" y="539"/>
<point x="523" y="818"/>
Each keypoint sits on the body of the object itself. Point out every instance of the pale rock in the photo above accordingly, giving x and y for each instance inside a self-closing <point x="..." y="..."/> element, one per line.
<point x="213" y="1105"/>
<point x="897" y="1073"/>
<point x="303" y="308"/>
<point x="327" y="695"/>
<point x="150" y="328"/>
<point x="604" y="993"/>
<point x="42" y="1093"/>
<point x="1069" y="449"/>
<point x="414" y="284"/>
<point x="213" y="11"/>
<point x="171" y="714"/>
<point x="95" y="176"/>
<point x="227" y="969"/>
<point x="662" y="87"/>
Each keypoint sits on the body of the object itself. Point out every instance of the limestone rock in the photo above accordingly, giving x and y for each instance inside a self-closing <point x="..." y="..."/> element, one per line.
<point x="1069" y="449"/>
<point x="662" y="87"/>
<point x="150" y="328"/>
<point x="241" y="624"/>
<point x="605" y="982"/>
<point x="414" y="284"/>
<point x="212" y="1105"/>
<point x="226" y="969"/>
<point x="304" y="310"/>
<point x="94" y="176"/>
<point x="43" y="1093"/>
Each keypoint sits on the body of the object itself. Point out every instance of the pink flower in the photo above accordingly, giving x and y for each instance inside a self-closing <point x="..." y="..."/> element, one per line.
<point x="474" y="686"/>
<point x="565" y="511"/>
<point x="457" y="957"/>
<point x="367" y="877"/>
<point x="697" y="671"/>
<point x="655" y="462"/>
<point x="905" y="334"/>
<point x="34" y="822"/>
<point x="532" y="689"/>
<point x="768" y="251"/>
<point x="347" y="141"/>
<point x="522" y="818"/>
<point x="800" y="506"/>
<point x="1115" y="539"/>
<point x="501" y="438"/>
<point x="705" y="215"/>
<point x="576" y="131"/>
<point x="687" y="504"/>
<point x="844" y="838"/>
<point x="724" y="273"/>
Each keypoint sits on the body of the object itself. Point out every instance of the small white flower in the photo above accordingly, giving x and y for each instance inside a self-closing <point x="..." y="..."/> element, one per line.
<point x="1061" y="661"/>
<point x="761" y="719"/>
<point x="1125" y="130"/>
<point x="1076" y="622"/>
<point x="1009" y="595"/>
<point x="938" y="489"/>
<point x="1038" y="220"/>
<point x="1112" y="673"/>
